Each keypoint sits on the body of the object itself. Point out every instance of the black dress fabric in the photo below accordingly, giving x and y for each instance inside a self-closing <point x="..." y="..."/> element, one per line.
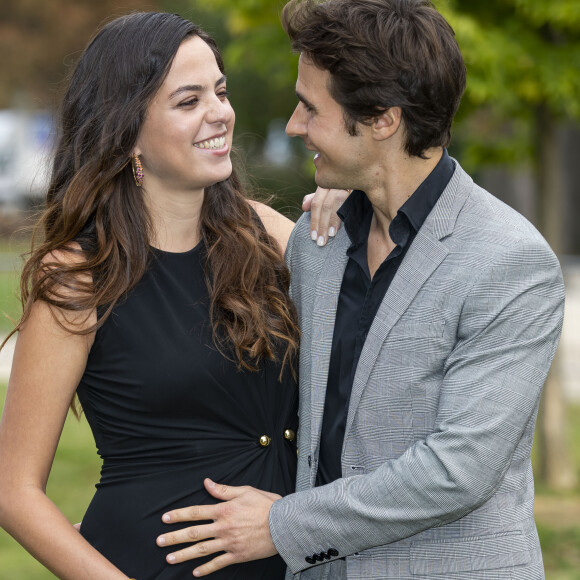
<point x="167" y="409"/>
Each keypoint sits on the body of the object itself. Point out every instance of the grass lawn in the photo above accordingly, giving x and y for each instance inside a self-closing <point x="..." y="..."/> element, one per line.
<point x="561" y="549"/>
<point x="558" y="516"/>
<point x="9" y="303"/>
<point x="71" y="487"/>
<point x="10" y="262"/>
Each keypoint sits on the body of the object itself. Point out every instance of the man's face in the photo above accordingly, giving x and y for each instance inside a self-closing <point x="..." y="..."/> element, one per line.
<point x="340" y="158"/>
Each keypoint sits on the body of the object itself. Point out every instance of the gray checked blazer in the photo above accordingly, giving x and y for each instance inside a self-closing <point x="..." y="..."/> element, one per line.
<point x="436" y="475"/>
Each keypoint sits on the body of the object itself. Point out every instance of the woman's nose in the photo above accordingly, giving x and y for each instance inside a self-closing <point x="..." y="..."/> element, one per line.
<point x="220" y="112"/>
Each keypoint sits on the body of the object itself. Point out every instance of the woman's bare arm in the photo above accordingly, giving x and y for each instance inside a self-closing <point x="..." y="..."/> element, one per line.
<point x="277" y="225"/>
<point x="47" y="366"/>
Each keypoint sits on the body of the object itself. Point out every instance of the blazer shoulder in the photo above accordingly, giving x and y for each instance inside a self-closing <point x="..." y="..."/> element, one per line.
<point x="301" y="247"/>
<point x="491" y="223"/>
<point x="481" y="211"/>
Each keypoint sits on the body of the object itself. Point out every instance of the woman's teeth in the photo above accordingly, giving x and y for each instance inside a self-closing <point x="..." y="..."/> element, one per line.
<point x="217" y="143"/>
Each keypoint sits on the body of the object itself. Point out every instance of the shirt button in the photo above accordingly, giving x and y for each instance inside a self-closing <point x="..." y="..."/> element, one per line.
<point x="289" y="435"/>
<point x="265" y="440"/>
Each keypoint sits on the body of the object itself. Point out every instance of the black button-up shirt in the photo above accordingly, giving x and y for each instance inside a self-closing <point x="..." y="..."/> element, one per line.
<point x="360" y="298"/>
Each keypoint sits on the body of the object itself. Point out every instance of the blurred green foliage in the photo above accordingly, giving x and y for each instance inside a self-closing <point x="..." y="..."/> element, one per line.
<point x="523" y="58"/>
<point x="9" y="302"/>
<point x="520" y="54"/>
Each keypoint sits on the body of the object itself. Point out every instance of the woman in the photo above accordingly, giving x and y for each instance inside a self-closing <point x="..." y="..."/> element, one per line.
<point x="159" y="296"/>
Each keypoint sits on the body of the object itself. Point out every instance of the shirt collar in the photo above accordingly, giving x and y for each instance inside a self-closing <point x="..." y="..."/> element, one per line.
<point x="423" y="200"/>
<point x="357" y="211"/>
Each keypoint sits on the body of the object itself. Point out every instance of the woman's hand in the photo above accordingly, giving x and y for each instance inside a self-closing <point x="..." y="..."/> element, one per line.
<point x="323" y="205"/>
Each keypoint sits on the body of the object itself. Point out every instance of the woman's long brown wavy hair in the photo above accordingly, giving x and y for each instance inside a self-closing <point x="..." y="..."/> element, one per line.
<point x="92" y="201"/>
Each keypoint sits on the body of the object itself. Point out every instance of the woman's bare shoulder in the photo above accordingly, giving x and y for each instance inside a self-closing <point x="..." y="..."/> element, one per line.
<point x="276" y="224"/>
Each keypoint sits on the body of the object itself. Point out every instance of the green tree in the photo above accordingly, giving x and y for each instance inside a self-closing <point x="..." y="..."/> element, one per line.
<point x="523" y="59"/>
<point x="258" y="41"/>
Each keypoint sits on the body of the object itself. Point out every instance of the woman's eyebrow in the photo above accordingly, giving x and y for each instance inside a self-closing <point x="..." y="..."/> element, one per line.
<point x="186" y="88"/>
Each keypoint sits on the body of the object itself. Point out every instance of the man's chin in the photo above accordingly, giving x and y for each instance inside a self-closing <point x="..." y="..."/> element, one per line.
<point x="325" y="183"/>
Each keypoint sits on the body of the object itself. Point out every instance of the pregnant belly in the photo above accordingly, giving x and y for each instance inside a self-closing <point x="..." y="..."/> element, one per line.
<point x="124" y="517"/>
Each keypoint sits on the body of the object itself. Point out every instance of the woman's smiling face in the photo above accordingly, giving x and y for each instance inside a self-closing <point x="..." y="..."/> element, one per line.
<point x="186" y="138"/>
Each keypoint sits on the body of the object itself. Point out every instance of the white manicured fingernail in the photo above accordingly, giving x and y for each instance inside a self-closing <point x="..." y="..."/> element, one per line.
<point x="320" y="241"/>
<point x="331" y="232"/>
<point x="313" y="235"/>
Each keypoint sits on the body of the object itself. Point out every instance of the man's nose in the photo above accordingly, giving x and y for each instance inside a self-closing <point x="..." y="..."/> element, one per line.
<point x="296" y="126"/>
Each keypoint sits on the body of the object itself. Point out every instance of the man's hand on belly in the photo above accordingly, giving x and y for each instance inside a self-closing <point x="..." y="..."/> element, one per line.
<point x="240" y="528"/>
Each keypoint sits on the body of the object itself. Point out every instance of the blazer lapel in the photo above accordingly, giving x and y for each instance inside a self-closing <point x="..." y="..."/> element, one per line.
<point x="423" y="258"/>
<point x="322" y="330"/>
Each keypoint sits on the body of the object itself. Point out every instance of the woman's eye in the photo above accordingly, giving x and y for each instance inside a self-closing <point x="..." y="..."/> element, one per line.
<point x="188" y="103"/>
<point x="224" y="94"/>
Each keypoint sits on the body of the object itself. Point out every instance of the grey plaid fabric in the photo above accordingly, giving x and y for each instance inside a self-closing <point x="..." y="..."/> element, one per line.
<point x="437" y="481"/>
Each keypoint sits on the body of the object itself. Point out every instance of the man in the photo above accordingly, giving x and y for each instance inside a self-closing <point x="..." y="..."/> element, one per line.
<point x="428" y="327"/>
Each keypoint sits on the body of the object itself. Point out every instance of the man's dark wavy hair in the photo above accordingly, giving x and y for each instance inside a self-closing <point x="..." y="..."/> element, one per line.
<point x="382" y="54"/>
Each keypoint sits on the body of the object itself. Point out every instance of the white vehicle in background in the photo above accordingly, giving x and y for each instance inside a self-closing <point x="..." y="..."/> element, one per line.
<point x="26" y="141"/>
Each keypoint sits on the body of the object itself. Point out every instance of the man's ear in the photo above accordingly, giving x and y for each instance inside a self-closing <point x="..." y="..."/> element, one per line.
<point x="387" y="123"/>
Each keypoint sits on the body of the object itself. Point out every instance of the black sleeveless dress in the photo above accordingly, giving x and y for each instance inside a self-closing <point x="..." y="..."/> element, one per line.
<point x="167" y="410"/>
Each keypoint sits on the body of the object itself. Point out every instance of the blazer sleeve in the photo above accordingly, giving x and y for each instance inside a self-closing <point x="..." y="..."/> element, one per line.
<point x="509" y="326"/>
